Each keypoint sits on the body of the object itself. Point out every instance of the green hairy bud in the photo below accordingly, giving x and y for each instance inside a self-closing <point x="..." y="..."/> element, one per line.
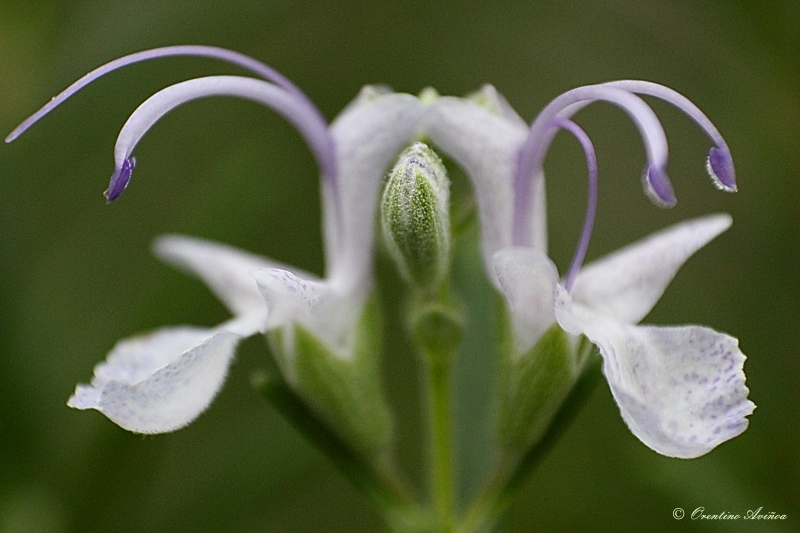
<point x="415" y="217"/>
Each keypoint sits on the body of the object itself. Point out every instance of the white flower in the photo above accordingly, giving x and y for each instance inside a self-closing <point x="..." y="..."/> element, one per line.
<point x="680" y="389"/>
<point x="162" y="381"/>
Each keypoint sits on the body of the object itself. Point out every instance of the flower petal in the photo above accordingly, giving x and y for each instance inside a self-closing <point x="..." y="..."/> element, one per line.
<point x="225" y="269"/>
<point x="486" y="145"/>
<point x="627" y="284"/>
<point x="680" y="389"/>
<point x="288" y="296"/>
<point x="368" y="136"/>
<point x="159" y="382"/>
<point x="527" y="280"/>
<point x="328" y="313"/>
<point x="489" y="98"/>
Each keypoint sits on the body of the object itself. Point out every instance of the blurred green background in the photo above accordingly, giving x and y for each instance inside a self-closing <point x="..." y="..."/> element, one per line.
<point x="76" y="274"/>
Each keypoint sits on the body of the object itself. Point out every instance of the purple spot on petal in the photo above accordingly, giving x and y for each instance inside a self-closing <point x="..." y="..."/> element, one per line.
<point x="119" y="180"/>
<point x="720" y="167"/>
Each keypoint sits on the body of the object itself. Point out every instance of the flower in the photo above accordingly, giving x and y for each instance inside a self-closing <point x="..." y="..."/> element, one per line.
<point x="680" y="389"/>
<point x="484" y="135"/>
<point x="161" y="381"/>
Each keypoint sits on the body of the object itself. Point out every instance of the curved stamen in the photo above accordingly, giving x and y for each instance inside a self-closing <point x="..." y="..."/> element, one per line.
<point x="540" y="136"/>
<point x="277" y="98"/>
<point x="720" y="162"/>
<point x="327" y="156"/>
<point x="591" y="201"/>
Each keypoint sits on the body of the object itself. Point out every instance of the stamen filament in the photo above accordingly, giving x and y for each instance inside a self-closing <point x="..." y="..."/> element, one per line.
<point x="155" y="107"/>
<point x="323" y="149"/>
<point x="591" y="201"/>
<point x="531" y="156"/>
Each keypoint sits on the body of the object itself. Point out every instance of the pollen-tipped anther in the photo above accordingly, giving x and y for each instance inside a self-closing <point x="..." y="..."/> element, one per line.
<point x="720" y="168"/>
<point x="720" y="162"/>
<point x="533" y="151"/>
<point x="120" y="180"/>
<point x="658" y="187"/>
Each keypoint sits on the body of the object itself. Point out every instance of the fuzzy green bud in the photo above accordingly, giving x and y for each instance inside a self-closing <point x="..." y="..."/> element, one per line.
<point x="415" y="217"/>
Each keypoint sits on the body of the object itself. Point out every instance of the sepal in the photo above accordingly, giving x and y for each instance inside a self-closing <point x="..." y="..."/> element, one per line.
<point x="532" y="387"/>
<point x="346" y="393"/>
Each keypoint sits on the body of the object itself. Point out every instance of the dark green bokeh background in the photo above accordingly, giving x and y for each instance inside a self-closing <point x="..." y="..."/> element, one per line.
<point x="76" y="275"/>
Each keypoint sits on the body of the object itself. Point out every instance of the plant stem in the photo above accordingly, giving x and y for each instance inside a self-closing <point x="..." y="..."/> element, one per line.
<point x="435" y="327"/>
<point x="441" y="435"/>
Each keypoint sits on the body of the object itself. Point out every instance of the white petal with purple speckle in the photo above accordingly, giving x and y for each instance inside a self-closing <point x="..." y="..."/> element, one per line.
<point x="161" y="381"/>
<point x="680" y="389"/>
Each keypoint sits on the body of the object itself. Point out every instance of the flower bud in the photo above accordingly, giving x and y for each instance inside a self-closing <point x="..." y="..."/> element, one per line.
<point x="415" y="217"/>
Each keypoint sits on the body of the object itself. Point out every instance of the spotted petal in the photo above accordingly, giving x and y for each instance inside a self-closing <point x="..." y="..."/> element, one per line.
<point x="159" y="382"/>
<point x="317" y="305"/>
<point x="680" y="389"/>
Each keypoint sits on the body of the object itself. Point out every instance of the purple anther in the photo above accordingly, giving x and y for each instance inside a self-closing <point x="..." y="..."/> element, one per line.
<point x="659" y="188"/>
<point x="316" y="132"/>
<point x="720" y="166"/>
<point x="720" y="162"/>
<point x="540" y="135"/>
<point x="119" y="180"/>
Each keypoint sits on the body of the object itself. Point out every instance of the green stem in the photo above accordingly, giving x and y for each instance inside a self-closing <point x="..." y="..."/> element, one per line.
<point x="435" y="326"/>
<point x="441" y="434"/>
